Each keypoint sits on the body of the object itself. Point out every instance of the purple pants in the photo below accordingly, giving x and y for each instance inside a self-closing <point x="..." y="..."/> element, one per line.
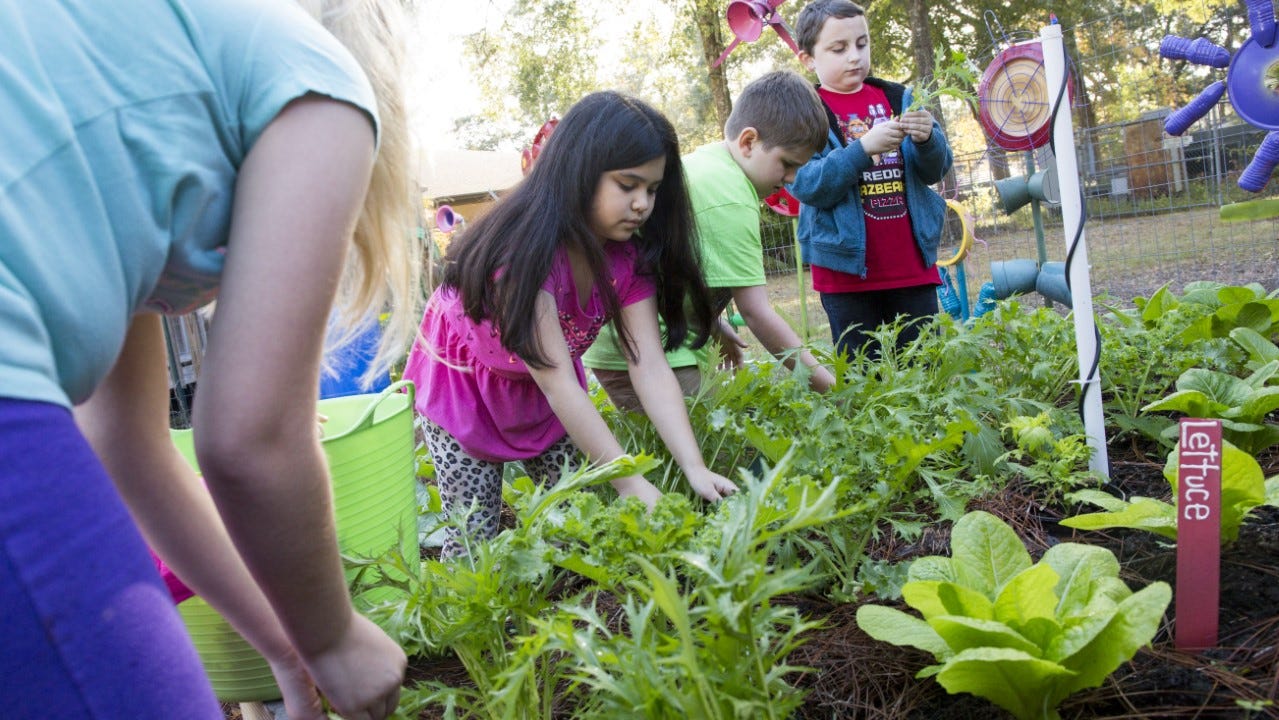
<point x="87" y="628"/>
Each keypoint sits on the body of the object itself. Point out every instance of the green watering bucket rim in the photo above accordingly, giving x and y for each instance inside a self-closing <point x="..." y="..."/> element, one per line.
<point x="185" y="437"/>
<point x="365" y="420"/>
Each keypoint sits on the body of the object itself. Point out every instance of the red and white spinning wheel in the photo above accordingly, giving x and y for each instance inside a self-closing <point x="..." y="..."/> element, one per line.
<point x="1013" y="103"/>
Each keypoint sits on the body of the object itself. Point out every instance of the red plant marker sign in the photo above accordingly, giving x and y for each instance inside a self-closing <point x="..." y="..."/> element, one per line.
<point x="1198" y="533"/>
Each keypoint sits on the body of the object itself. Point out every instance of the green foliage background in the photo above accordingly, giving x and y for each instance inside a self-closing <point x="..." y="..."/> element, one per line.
<point x="546" y="55"/>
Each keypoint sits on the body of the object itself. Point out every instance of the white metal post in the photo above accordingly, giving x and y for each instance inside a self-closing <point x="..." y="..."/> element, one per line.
<point x="1063" y="133"/>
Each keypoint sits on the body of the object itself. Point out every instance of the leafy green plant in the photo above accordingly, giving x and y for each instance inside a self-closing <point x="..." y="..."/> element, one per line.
<point x="1241" y="404"/>
<point x="1143" y="353"/>
<point x="1053" y="461"/>
<point x="1243" y="487"/>
<point x="476" y="606"/>
<point x="1024" y="636"/>
<point x="1211" y="328"/>
<point x="1261" y="350"/>
<point x="701" y="633"/>
<point x="915" y="433"/>
<point x="601" y="540"/>
<point x="1027" y="354"/>
<point x="956" y="77"/>
<point x="593" y="607"/>
<point x="1232" y="306"/>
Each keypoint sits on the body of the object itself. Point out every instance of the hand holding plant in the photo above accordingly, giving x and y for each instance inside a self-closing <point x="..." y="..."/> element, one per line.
<point x="918" y="124"/>
<point x="884" y="137"/>
<point x="708" y="484"/>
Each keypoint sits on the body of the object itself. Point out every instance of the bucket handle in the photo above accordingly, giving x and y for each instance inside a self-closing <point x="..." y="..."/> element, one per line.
<point x="366" y="420"/>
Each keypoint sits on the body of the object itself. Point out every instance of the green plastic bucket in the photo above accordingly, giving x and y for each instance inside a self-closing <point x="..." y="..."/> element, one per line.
<point x="368" y="442"/>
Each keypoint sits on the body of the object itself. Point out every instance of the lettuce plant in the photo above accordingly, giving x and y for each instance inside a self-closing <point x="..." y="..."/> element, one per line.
<point x="1241" y="404"/>
<point x="1231" y="307"/>
<point x="1243" y="487"/>
<point x="1023" y="635"/>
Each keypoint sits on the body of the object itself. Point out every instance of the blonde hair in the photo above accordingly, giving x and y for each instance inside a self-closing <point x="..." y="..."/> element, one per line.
<point x="383" y="267"/>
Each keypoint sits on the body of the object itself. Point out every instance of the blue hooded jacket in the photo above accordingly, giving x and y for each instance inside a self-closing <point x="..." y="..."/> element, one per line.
<point x="832" y="228"/>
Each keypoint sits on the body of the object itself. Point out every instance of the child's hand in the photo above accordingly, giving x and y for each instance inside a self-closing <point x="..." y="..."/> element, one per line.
<point x="637" y="486"/>
<point x="301" y="701"/>
<point x="711" y="486"/>
<point x="884" y="137"/>
<point x="361" y="674"/>
<point x="918" y="124"/>
<point x="730" y="346"/>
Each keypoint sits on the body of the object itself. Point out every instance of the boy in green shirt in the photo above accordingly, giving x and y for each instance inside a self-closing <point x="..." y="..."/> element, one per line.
<point x="777" y="124"/>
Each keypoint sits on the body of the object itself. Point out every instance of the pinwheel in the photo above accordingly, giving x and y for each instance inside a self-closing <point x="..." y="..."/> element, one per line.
<point x="747" y="18"/>
<point x="1252" y="81"/>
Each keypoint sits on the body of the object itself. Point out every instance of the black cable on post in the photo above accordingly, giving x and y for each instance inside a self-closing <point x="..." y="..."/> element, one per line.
<point x="1091" y="375"/>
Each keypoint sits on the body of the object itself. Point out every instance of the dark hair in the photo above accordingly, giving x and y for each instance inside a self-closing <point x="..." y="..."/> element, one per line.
<point x="784" y="109"/>
<point x="813" y="18"/>
<point x="499" y="264"/>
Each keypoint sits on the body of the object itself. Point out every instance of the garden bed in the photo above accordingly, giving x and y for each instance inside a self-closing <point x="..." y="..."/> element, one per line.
<point x="855" y="676"/>
<point x="590" y="607"/>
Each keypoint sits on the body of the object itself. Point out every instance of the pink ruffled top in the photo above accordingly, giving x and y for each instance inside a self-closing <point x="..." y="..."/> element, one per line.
<point x="177" y="589"/>
<point x="481" y="393"/>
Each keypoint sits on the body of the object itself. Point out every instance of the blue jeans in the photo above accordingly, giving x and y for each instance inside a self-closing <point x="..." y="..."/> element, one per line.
<point x="854" y="314"/>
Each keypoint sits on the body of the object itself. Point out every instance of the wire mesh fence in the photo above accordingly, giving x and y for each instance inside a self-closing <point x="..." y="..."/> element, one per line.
<point x="1151" y="200"/>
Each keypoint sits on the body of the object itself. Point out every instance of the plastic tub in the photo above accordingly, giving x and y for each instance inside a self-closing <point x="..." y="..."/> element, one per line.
<point x="368" y="442"/>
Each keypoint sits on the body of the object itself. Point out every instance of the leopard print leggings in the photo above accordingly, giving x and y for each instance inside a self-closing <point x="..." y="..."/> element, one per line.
<point x="464" y="479"/>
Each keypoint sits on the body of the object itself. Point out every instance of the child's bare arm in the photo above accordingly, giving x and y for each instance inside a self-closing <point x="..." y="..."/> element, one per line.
<point x="255" y="432"/>
<point x="126" y="422"/>
<point x="776" y="335"/>
<point x="573" y="407"/>
<point x="663" y="401"/>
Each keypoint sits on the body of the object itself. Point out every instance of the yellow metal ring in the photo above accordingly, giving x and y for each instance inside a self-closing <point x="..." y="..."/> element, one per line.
<point x="965" y="242"/>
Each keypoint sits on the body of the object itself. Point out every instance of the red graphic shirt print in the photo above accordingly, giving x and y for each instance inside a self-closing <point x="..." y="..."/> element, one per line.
<point x="893" y="260"/>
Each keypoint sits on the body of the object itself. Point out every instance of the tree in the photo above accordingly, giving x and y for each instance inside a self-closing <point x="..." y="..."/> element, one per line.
<point x="707" y="16"/>
<point x="921" y="42"/>
<point x="662" y="64"/>
<point x="712" y="37"/>
<point x="541" y="61"/>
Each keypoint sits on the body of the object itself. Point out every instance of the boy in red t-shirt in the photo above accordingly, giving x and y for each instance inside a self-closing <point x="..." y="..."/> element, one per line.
<point x="869" y="223"/>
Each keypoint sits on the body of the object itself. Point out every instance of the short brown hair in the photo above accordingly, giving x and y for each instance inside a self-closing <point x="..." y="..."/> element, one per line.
<point x="784" y="109"/>
<point x="814" y="16"/>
